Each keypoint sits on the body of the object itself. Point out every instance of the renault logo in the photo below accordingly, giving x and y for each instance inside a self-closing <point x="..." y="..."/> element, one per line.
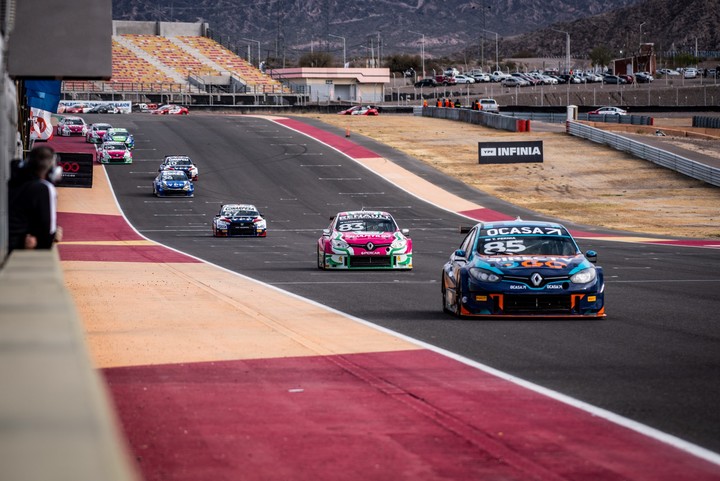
<point x="370" y="246"/>
<point x="536" y="279"/>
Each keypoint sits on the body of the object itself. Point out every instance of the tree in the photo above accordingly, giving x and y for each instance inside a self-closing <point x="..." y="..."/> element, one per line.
<point x="600" y="56"/>
<point x="403" y="62"/>
<point x="316" y="59"/>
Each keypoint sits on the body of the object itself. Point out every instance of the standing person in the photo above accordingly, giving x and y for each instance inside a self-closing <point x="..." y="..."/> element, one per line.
<point x="32" y="201"/>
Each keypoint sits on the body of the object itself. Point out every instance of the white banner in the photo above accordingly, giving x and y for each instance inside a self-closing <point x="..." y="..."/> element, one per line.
<point x="40" y="126"/>
<point x="86" y="106"/>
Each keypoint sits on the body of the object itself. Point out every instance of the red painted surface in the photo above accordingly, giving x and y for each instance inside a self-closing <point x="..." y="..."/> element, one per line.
<point x="95" y="227"/>
<point x="486" y="215"/>
<point x="371" y="417"/>
<point x="347" y="147"/>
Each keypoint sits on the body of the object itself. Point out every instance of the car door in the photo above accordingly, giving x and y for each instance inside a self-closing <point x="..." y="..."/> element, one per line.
<point x="458" y="259"/>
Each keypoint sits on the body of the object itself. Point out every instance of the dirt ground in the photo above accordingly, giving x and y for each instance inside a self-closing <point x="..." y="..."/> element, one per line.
<point x="579" y="180"/>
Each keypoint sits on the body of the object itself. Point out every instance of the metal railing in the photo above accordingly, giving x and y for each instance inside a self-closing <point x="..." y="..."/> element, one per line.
<point x="666" y="159"/>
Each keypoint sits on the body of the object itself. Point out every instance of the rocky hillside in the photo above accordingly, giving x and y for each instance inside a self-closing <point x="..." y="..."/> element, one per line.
<point x="292" y="27"/>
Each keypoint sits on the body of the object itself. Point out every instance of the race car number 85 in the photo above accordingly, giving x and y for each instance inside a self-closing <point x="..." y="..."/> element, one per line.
<point x="495" y="247"/>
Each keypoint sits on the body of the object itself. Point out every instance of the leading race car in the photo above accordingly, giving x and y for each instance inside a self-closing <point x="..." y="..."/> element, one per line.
<point x="180" y="162"/>
<point x="364" y="240"/>
<point x="116" y="134"/>
<point x="239" y="220"/>
<point x="173" y="182"/>
<point x="114" y="153"/>
<point x="68" y="126"/>
<point x="522" y="269"/>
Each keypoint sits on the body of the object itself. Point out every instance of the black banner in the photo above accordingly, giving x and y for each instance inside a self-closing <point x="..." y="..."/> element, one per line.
<point x="77" y="169"/>
<point x="510" y="152"/>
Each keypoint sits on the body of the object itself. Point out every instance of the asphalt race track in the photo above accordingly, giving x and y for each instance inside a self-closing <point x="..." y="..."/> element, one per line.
<point x="655" y="359"/>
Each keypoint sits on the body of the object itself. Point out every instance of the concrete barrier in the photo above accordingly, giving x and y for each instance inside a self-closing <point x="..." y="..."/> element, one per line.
<point x="495" y="121"/>
<point x="57" y="418"/>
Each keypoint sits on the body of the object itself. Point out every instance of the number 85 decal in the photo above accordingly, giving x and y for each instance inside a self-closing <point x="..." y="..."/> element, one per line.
<point x="512" y="246"/>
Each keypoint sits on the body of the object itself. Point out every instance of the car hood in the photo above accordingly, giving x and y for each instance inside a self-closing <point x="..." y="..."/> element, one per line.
<point x="364" y="237"/>
<point x="526" y="265"/>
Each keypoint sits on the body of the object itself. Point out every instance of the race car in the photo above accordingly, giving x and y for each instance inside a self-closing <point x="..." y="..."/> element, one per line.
<point x="114" y="153"/>
<point x="360" y="110"/>
<point x="95" y="132"/>
<point x="68" y="126"/>
<point x="170" y="110"/>
<point x="173" y="182"/>
<point x="522" y="269"/>
<point x="119" y="135"/>
<point x="180" y="162"/>
<point x="364" y="240"/>
<point x="239" y="220"/>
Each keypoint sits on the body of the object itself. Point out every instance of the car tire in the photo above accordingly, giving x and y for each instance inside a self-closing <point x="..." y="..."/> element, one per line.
<point x="320" y="259"/>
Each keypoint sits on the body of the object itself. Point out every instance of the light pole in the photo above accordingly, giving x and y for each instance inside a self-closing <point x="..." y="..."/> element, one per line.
<point x="567" y="48"/>
<point x="343" y="39"/>
<point x="497" y="58"/>
<point x="258" y="42"/>
<point x="641" y="26"/>
<point x="422" y="51"/>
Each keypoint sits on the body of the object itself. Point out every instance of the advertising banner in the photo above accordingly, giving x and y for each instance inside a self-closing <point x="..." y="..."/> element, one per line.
<point x="510" y="152"/>
<point x="94" y="106"/>
<point x="77" y="169"/>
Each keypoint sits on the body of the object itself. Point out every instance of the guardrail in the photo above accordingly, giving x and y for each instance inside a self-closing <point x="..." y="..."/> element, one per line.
<point x="495" y="121"/>
<point x="58" y="421"/>
<point x="706" y="122"/>
<point x="556" y="117"/>
<point x="675" y="162"/>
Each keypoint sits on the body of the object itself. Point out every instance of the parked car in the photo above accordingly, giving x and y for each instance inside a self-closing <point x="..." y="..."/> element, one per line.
<point x="613" y="79"/>
<point x="445" y="80"/>
<point x="360" y="110"/>
<point x="644" y="77"/>
<point x="608" y="111"/>
<point x="627" y="78"/>
<point x="171" y="110"/>
<point x="426" y="82"/>
<point x="482" y="77"/>
<point x="669" y="72"/>
<point x="464" y="79"/>
<point x="511" y="82"/>
<point x="498" y="76"/>
<point x="690" y="73"/>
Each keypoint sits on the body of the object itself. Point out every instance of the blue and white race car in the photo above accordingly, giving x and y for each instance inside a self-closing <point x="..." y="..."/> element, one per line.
<point x="522" y="269"/>
<point x="239" y="220"/>
<point x="173" y="182"/>
<point x="180" y="162"/>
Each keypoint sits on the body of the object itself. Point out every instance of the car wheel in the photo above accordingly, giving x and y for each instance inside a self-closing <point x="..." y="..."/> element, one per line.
<point x="320" y="259"/>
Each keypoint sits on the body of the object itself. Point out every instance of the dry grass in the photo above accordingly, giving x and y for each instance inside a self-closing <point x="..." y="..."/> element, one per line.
<point x="579" y="181"/>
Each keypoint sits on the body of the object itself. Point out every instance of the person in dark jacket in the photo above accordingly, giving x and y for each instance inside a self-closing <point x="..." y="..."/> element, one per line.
<point x="32" y="201"/>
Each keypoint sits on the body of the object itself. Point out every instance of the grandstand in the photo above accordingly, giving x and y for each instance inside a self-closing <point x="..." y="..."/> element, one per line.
<point x="178" y="63"/>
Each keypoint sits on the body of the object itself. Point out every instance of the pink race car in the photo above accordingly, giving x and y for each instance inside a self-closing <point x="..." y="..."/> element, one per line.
<point x="364" y="240"/>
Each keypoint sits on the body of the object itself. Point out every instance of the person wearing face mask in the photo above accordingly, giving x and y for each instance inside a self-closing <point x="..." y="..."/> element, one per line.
<point x="32" y="201"/>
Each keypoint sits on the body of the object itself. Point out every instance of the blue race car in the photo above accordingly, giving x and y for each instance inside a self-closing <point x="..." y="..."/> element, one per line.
<point x="522" y="269"/>
<point x="173" y="182"/>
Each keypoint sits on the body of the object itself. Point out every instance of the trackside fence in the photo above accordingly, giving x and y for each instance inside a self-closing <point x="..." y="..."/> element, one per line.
<point x="706" y="122"/>
<point x="556" y="117"/>
<point x="675" y="162"/>
<point x="495" y="121"/>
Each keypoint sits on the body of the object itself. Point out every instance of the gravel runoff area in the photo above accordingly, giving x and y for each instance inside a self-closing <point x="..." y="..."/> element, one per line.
<point x="579" y="181"/>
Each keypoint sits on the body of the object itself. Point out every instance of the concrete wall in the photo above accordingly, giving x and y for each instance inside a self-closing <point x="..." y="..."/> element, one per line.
<point x="58" y="418"/>
<point x="165" y="29"/>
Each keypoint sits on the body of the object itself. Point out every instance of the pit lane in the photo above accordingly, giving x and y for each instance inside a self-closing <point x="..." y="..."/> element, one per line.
<point x="655" y="359"/>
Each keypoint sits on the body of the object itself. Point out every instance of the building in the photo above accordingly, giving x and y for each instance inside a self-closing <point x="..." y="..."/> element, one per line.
<point x="362" y="85"/>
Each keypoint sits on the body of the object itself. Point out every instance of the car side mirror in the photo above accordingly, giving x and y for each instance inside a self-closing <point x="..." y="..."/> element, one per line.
<point x="405" y="232"/>
<point x="326" y="232"/>
<point x="460" y="253"/>
<point x="591" y="256"/>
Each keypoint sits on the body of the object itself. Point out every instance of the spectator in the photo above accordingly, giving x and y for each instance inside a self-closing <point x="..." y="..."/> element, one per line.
<point x="32" y="201"/>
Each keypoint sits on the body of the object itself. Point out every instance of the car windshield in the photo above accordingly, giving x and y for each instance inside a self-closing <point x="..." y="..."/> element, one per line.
<point x="74" y="122"/>
<point x="239" y="212"/>
<point x="114" y="146"/>
<point x="180" y="162"/>
<point x="379" y="224"/>
<point x="101" y="127"/>
<point x="534" y="245"/>
<point x="174" y="176"/>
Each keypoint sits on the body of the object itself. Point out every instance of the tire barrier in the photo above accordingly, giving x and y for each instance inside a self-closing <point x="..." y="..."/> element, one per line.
<point x="495" y="121"/>
<point x="706" y="122"/>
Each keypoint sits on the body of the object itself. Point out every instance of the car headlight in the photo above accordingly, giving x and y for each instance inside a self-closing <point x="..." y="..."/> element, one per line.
<point x="186" y="187"/>
<point x="483" y="275"/>
<point x="399" y="243"/>
<point x="164" y="184"/>
<point x="584" y="276"/>
<point x="339" y="244"/>
<point x="221" y="224"/>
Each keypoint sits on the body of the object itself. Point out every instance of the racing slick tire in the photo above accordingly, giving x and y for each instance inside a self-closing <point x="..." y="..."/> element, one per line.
<point x="320" y="259"/>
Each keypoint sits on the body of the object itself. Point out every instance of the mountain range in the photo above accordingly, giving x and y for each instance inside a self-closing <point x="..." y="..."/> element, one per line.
<point x="288" y="28"/>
